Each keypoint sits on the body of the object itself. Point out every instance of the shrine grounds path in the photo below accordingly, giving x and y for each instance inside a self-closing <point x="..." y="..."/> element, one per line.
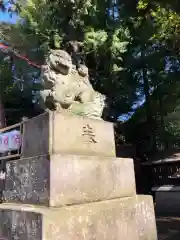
<point x="168" y="228"/>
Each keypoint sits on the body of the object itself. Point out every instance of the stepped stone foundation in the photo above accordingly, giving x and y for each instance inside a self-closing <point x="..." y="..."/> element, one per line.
<point x="68" y="179"/>
<point x="69" y="185"/>
<point x="123" y="218"/>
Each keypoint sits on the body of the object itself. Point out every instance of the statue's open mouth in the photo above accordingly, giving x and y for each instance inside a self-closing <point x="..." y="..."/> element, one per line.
<point x="60" y="66"/>
<point x="65" y="105"/>
<point x="49" y="84"/>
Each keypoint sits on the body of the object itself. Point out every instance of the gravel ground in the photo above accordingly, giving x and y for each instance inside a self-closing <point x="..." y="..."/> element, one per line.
<point x="168" y="228"/>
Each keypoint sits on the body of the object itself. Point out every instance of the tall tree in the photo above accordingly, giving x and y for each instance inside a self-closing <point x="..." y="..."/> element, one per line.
<point x="103" y="37"/>
<point x="153" y="63"/>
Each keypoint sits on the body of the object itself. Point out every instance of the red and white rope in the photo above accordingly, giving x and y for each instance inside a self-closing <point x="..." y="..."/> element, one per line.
<point x="8" y="49"/>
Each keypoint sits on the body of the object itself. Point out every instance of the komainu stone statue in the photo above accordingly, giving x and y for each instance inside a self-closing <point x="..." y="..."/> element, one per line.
<point x="66" y="87"/>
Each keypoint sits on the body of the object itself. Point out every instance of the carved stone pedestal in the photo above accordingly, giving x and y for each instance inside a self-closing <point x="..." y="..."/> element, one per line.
<point x="69" y="185"/>
<point x="54" y="133"/>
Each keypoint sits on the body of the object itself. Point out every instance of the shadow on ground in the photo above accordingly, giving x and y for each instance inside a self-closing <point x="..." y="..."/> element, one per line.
<point x="168" y="228"/>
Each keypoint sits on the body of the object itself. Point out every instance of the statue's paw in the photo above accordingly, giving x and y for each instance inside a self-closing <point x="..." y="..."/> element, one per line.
<point x="83" y="71"/>
<point x="86" y="96"/>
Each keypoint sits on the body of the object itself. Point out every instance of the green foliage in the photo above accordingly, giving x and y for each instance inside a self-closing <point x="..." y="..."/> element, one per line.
<point x="152" y="63"/>
<point x="52" y="24"/>
<point x="94" y="39"/>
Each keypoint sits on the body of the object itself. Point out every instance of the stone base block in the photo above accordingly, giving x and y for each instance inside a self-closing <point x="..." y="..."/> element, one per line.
<point x="127" y="219"/>
<point x="57" y="133"/>
<point x="68" y="179"/>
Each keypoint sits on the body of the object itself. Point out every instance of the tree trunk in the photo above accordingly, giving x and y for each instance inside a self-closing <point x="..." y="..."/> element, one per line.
<point x="162" y="127"/>
<point x="149" y="114"/>
<point x="2" y="115"/>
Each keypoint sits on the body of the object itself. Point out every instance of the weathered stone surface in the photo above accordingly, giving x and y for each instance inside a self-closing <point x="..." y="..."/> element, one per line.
<point x="127" y="219"/>
<point x="21" y="225"/>
<point x="68" y="179"/>
<point x="67" y="87"/>
<point x="56" y="133"/>
<point x="27" y="181"/>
